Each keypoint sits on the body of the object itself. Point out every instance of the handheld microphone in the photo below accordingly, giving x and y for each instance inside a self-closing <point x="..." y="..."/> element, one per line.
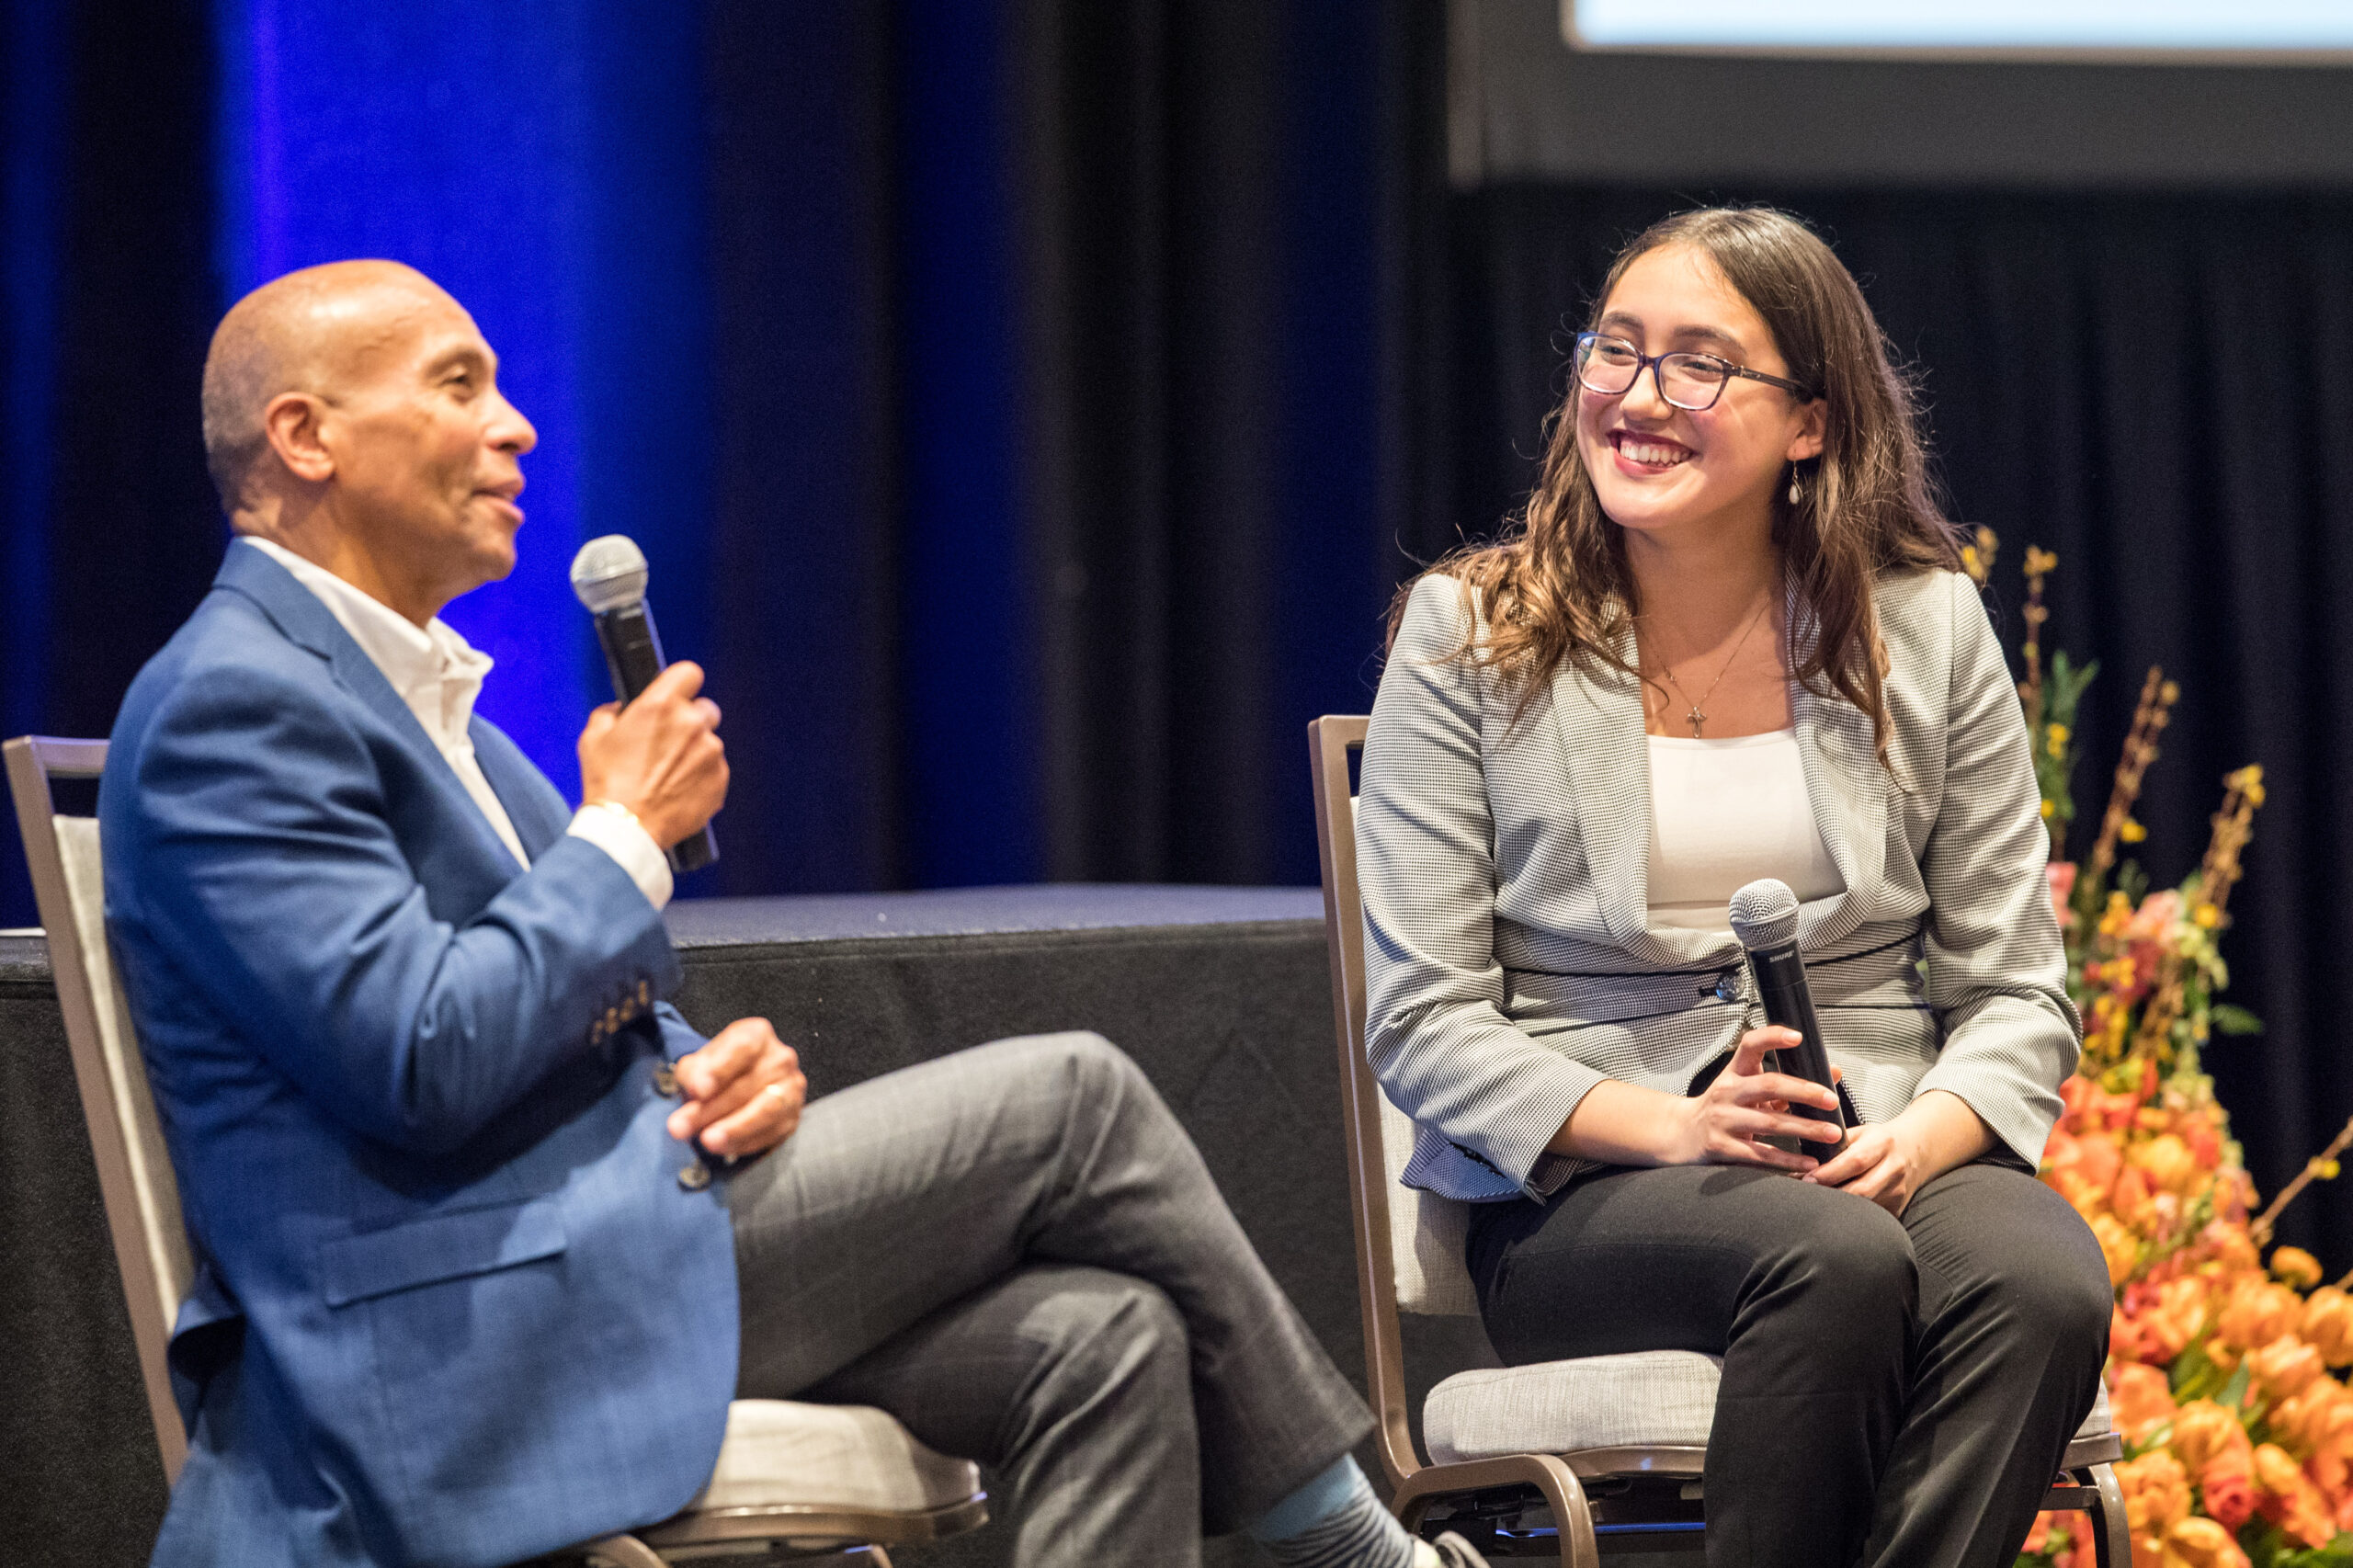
<point x="1764" y="918"/>
<point x="610" y="574"/>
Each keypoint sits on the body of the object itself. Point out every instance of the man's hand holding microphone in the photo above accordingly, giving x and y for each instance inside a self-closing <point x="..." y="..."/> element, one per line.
<point x="657" y="756"/>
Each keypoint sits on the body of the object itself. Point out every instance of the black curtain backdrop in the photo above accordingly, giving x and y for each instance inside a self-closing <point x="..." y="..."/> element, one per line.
<point x="2158" y="388"/>
<point x="107" y="537"/>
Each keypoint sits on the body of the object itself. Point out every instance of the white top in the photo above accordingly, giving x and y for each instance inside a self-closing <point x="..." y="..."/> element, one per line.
<point x="438" y="675"/>
<point x="1724" y="814"/>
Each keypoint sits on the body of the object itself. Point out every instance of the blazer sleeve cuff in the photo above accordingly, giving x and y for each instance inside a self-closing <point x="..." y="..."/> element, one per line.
<point x="1511" y="1136"/>
<point x="617" y="833"/>
<point x="2021" y="1114"/>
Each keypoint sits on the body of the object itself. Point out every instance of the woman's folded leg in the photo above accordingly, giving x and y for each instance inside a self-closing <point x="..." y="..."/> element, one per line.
<point x="2014" y="1313"/>
<point x="1808" y="1294"/>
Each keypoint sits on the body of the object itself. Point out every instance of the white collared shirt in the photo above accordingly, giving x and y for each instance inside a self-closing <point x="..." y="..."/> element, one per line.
<point x="438" y="675"/>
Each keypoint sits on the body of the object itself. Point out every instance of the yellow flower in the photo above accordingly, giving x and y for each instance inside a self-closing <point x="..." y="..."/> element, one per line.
<point x="2199" y="1543"/>
<point x="2172" y="1167"/>
<point x="2206" y="917"/>
<point x="2256" y="1314"/>
<point x="2295" y="1266"/>
<point x="2204" y="1429"/>
<point x="2141" y="1400"/>
<point x="2117" y="1244"/>
<point x="2286" y="1365"/>
<point x="2300" y="1509"/>
<point x="2039" y="560"/>
<point x="2328" y="1324"/>
<point x="2055" y="736"/>
<point x="2156" y="1492"/>
<point x="2131" y="832"/>
<point x="2050" y="810"/>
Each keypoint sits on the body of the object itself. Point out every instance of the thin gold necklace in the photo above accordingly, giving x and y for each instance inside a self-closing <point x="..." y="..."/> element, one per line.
<point x="1698" y="715"/>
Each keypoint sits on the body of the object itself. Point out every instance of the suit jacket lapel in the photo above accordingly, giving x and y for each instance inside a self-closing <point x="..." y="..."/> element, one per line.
<point x="1848" y="788"/>
<point x="308" y="624"/>
<point x="1608" y="760"/>
<point x="539" y="813"/>
<point x="1601" y="717"/>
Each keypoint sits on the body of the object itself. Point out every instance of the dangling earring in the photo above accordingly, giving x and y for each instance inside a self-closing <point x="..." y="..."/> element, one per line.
<point x="1797" y="491"/>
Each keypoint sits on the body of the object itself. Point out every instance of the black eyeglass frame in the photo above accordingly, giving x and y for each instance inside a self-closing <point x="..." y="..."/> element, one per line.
<point x="1651" y="362"/>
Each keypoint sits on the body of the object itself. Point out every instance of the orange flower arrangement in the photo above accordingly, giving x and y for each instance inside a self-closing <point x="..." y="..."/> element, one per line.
<point x="2224" y="1359"/>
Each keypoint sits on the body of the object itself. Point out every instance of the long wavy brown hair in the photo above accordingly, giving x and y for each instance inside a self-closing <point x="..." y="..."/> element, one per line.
<point x="1555" y="585"/>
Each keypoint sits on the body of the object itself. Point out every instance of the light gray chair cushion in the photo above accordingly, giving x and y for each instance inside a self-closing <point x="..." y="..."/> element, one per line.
<point x="779" y="1453"/>
<point x="1557" y="1407"/>
<point x="1650" y="1399"/>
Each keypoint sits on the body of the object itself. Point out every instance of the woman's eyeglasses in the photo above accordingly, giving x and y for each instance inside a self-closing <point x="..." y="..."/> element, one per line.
<point x="1612" y="366"/>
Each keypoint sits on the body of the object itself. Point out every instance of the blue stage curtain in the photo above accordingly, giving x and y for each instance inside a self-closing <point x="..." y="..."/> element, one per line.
<point x="543" y="162"/>
<point x="998" y="388"/>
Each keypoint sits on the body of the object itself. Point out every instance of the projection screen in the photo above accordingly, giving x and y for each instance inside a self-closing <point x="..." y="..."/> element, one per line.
<point x="2182" y="29"/>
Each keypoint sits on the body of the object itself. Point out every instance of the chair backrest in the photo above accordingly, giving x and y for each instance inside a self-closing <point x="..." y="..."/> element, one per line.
<point x="143" y="1199"/>
<point x="1409" y="1244"/>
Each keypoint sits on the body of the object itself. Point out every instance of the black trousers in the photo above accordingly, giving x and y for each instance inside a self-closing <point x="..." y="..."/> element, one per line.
<point x="1895" y="1392"/>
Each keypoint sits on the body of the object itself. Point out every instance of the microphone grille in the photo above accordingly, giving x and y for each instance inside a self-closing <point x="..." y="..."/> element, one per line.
<point x="609" y="574"/>
<point x="1765" y="914"/>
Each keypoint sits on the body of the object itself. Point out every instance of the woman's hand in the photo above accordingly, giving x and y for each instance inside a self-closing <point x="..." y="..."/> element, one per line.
<point x="1879" y="1162"/>
<point x="1723" y="1123"/>
<point x="1889" y="1162"/>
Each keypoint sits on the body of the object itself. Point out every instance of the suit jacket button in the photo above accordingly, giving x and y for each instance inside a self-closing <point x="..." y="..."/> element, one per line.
<point x="665" y="1082"/>
<point x="694" y="1177"/>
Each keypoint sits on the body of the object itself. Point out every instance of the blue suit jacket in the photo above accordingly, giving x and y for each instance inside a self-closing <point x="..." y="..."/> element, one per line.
<point x="456" y="1306"/>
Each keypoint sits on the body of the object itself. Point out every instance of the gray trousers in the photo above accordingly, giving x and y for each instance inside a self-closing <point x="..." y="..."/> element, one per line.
<point x="1016" y="1251"/>
<point x="1895" y="1392"/>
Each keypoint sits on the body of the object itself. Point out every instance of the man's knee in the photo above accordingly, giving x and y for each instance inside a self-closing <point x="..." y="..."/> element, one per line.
<point x="1073" y="1056"/>
<point x="1101" y="1329"/>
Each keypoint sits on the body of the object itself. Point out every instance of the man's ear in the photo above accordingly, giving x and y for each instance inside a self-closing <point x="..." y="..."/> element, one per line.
<point x="290" y="424"/>
<point x="1812" y="421"/>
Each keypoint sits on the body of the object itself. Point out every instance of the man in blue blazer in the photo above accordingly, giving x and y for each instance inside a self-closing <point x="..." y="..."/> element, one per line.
<point x="485" y="1246"/>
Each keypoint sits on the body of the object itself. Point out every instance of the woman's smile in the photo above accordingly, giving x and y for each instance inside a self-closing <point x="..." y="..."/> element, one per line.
<point x="1640" y="455"/>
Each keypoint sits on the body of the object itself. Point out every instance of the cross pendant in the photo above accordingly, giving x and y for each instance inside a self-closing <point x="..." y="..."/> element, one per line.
<point x="1695" y="718"/>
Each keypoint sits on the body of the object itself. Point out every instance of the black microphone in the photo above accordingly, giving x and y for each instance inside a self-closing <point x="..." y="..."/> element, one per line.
<point x="1764" y="918"/>
<point x="610" y="576"/>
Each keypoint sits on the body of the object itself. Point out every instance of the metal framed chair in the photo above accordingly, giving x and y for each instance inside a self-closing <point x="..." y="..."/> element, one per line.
<point x="1566" y="1459"/>
<point x="794" y="1482"/>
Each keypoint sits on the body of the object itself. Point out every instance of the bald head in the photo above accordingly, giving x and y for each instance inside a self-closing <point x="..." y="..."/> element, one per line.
<point x="315" y="331"/>
<point x="352" y="414"/>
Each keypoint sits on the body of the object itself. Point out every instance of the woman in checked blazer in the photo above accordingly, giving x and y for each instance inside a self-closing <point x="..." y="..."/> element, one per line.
<point x="1729" y="639"/>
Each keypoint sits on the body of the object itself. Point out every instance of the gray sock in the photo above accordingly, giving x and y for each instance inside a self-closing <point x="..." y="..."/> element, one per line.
<point x="1334" y="1521"/>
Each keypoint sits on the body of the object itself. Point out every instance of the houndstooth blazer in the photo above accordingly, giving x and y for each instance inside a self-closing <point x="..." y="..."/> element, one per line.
<point x="1509" y="961"/>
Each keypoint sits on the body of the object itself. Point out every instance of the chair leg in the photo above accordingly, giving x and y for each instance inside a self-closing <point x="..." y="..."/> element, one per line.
<point x="1562" y="1493"/>
<point x="2112" y="1532"/>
